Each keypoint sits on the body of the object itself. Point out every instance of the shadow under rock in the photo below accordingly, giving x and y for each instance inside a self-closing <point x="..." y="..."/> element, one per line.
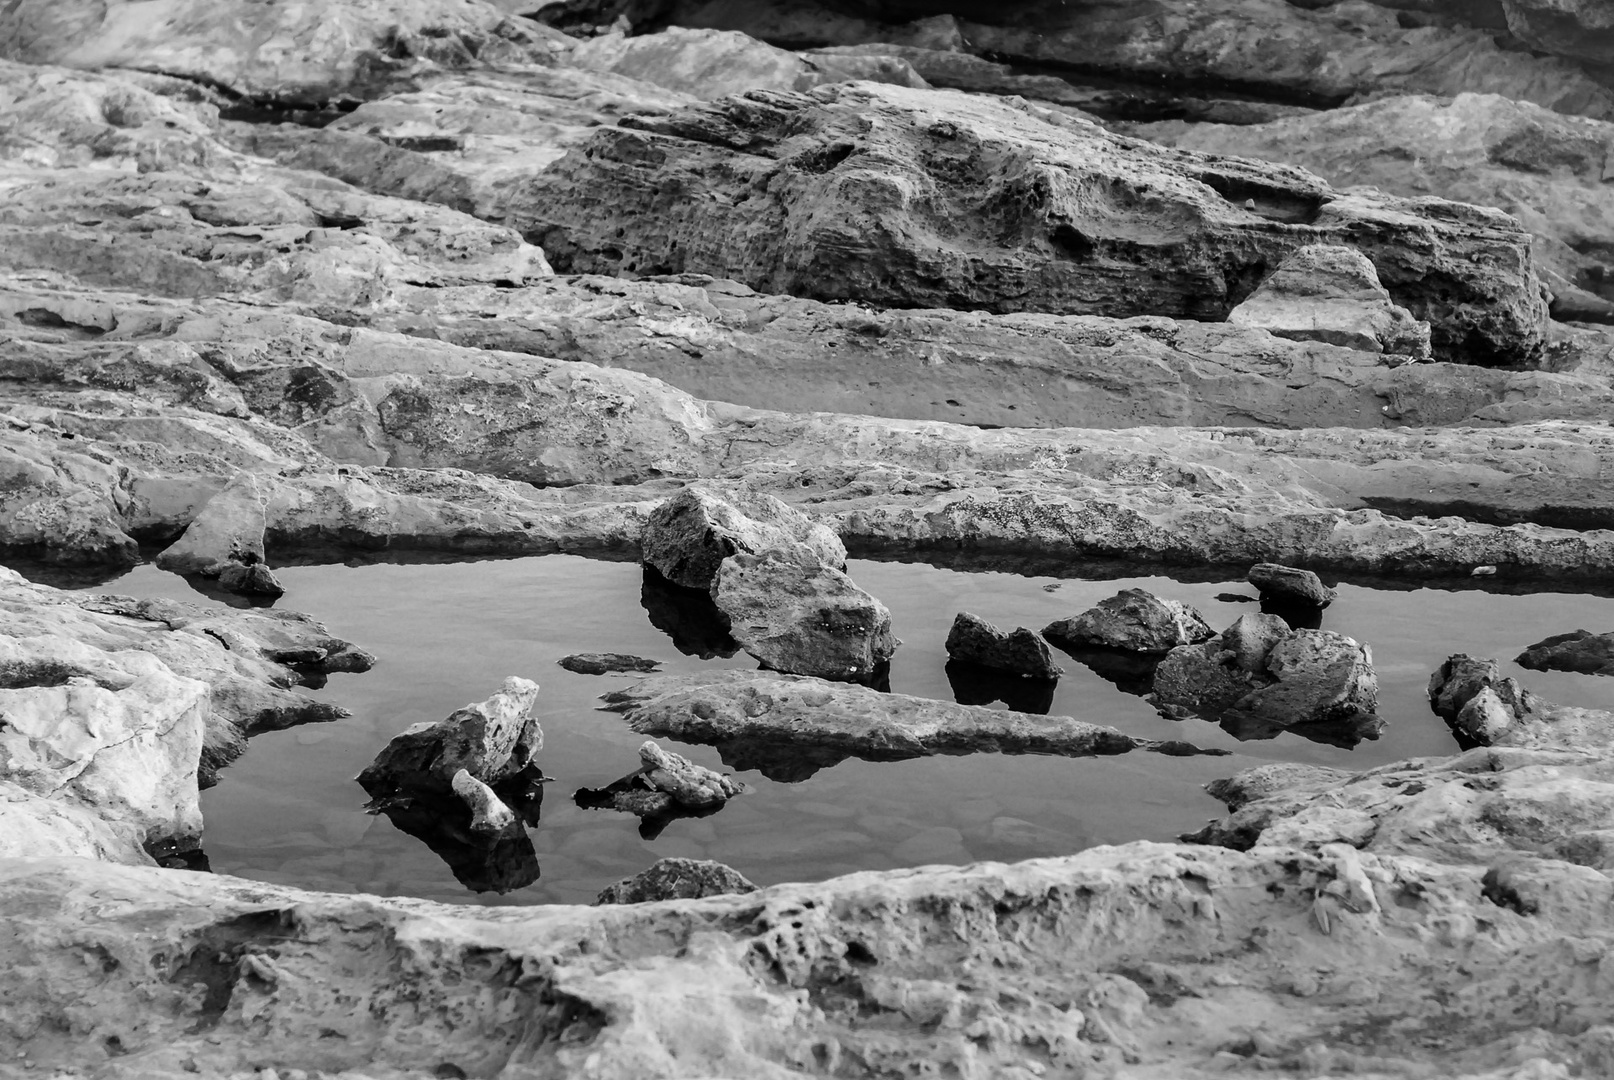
<point x="499" y="862"/>
<point x="687" y="616"/>
<point x="976" y="685"/>
<point x="1130" y="672"/>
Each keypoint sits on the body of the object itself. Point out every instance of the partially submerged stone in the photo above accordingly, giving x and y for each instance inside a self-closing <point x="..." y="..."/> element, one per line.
<point x="1476" y="700"/>
<point x="803" y="618"/>
<point x="687" y="538"/>
<point x="790" y="726"/>
<point x="493" y="741"/>
<point x="664" y="787"/>
<point x="1578" y="650"/>
<point x="1260" y="678"/>
<point x="225" y="541"/>
<point x="1287" y="584"/>
<point x="1020" y="652"/>
<point x="607" y="663"/>
<point x="489" y="814"/>
<point x="1134" y="620"/>
<point x="677" y="879"/>
<point x="1329" y="293"/>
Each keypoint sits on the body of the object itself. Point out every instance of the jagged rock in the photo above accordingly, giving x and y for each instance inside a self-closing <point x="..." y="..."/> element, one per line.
<point x="276" y="53"/>
<point x="845" y="226"/>
<point x="225" y="541"/>
<point x="690" y="536"/>
<point x="1020" y="652"/>
<point x="1578" y="650"/>
<point x="664" y="787"/>
<point x="492" y="740"/>
<point x="789" y="726"/>
<point x="1133" y="620"/>
<point x="250" y="660"/>
<point x="1583" y="29"/>
<point x="803" y="617"/>
<point x="607" y="663"/>
<point x="1547" y="170"/>
<point x="1465" y="680"/>
<point x="1330" y="293"/>
<point x="1287" y="584"/>
<point x="106" y="739"/>
<point x="677" y="879"/>
<point x="489" y="814"/>
<point x="1256" y="681"/>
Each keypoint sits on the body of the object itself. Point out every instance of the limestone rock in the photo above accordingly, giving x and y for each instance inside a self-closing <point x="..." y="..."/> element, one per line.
<point x="1019" y="652"/>
<point x="273" y="52"/>
<point x="1251" y="638"/>
<point x="491" y="740"/>
<point x="688" y="537"/>
<point x="1133" y="620"/>
<point x="790" y="726"/>
<point x="489" y="814"/>
<point x="1291" y="585"/>
<point x="1477" y="702"/>
<point x="1578" y="650"/>
<point x="677" y="879"/>
<point x="803" y="617"/>
<point x="1329" y="293"/>
<point x="1578" y="28"/>
<point x="692" y="786"/>
<point x="607" y="663"/>
<point x="225" y="541"/>
<point x="876" y="212"/>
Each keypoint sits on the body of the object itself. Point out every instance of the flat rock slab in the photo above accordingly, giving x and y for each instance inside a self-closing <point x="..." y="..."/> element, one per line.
<point x="688" y="537"/>
<point x="900" y="197"/>
<point x="750" y="712"/>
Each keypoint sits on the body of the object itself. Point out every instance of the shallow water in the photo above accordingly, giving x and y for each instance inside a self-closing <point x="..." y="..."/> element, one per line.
<point x="447" y="634"/>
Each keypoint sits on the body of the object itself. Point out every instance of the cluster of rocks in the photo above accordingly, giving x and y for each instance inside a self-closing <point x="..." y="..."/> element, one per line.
<point x="281" y="281"/>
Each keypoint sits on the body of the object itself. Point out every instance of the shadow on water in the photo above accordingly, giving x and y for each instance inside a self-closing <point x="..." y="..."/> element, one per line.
<point x="500" y="861"/>
<point x="687" y="616"/>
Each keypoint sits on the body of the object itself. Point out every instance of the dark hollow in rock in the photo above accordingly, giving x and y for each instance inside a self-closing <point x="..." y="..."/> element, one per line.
<point x="1022" y="652"/>
<point x="973" y="684"/>
<point x="1579" y="650"/>
<point x="677" y="879"/>
<point x="687" y="616"/>
<point x="607" y="663"/>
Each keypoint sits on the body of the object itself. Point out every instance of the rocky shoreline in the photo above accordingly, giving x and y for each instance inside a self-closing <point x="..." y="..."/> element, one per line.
<point x="1329" y="286"/>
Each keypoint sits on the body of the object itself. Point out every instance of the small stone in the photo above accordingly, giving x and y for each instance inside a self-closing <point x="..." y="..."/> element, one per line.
<point x="1579" y="650"/>
<point x="1290" y="584"/>
<point x="1020" y="652"/>
<point x="1134" y="620"/>
<point x="606" y="663"/>
<point x="677" y="879"/>
<point x="689" y="537"/>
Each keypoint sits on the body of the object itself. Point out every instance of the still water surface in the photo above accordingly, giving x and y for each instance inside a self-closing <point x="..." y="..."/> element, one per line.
<point x="448" y="634"/>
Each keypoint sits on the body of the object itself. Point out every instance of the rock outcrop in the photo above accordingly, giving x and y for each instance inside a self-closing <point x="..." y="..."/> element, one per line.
<point x="890" y="213"/>
<point x="1290" y="585"/>
<point x="607" y="663"/>
<point x="1022" y="652"/>
<point x="664" y="787"/>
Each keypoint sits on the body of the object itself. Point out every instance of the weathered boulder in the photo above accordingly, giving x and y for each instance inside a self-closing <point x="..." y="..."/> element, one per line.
<point x="888" y="213"/>
<point x="1578" y="650"/>
<point x="1260" y="678"/>
<point x="489" y="814"/>
<point x="1287" y="584"/>
<point x="1018" y="652"/>
<point x="1330" y="293"/>
<point x="803" y="617"/>
<point x="688" y="537"/>
<point x="1547" y="170"/>
<point x="1133" y="620"/>
<point x="276" y="53"/>
<point x="665" y="786"/>
<point x="677" y="879"/>
<point x="493" y="741"/>
<point x="607" y="663"/>
<point x="225" y="541"/>
<point x="790" y="726"/>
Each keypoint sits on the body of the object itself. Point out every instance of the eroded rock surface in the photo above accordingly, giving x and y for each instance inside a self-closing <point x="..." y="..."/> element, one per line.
<point x="492" y="741"/>
<point x="1022" y="652"/>
<point x="1578" y="650"/>
<point x="688" y="538"/>
<point x="1133" y="620"/>
<point x="677" y="879"/>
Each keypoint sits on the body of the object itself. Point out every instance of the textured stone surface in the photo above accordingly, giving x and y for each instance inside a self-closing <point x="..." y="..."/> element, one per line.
<point x="1578" y="650"/>
<point x="1023" y="652"/>
<point x="1287" y="583"/>
<point x="677" y="879"/>
<point x="891" y="213"/>
<point x="688" y="538"/>
<point x="1330" y="293"/>
<point x="492" y="741"/>
<point x="1134" y="620"/>
<point x="801" y="617"/>
<point x="607" y="663"/>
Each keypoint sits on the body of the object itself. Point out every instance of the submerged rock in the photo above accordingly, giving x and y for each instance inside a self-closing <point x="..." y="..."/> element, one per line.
<point x="1021" y="652"/>
<point x="677" y="879"/>
<point x="687" y="538"/>
<point x="687" y="616"/>
<point x="489" y="814"/>
<point x="607" y="663"/>
<point x="790" y="726"/>
<point x="1133" y="620"/>
<point x="1260" y="677"/>
<point x="803" y="618"/>
<point x="493" y="741"/>
<point x="1332" y="294"/>
<point x="666" y="786"/>
<point x="1578" y="650"/>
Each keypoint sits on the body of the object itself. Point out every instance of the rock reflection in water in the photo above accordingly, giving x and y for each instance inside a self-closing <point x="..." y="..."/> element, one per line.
<point x="688" y="616"/>
<point x="497" y="862"/>
<point x="1346" y="733"/>
<point x="976" y="685"/>
<point x="1131" y="672"/>
<point x="627" y="795"/>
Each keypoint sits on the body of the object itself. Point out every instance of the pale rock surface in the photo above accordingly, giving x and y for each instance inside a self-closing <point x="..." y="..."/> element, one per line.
<point x="802" y="617"/>
<point x="1134" y="620"/>
<point x="490" y="740"/>
<point x="1019" y="651"/>
<point x="688" y="538"/>
<point x="1329" y="293"/>
<point x="489" y="814"/>
<point x="225" y="540"/>
<point x="689" y="785"/>
<point x="877" y="212"/>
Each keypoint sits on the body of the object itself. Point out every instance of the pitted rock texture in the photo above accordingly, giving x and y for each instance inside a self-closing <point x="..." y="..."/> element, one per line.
<point x="951" y="200"/>
<point x="677" y="879"/>
<point x="1133" y="620"/>
<point x="1330" y="293"/>
<point x="1578" y="650"/>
